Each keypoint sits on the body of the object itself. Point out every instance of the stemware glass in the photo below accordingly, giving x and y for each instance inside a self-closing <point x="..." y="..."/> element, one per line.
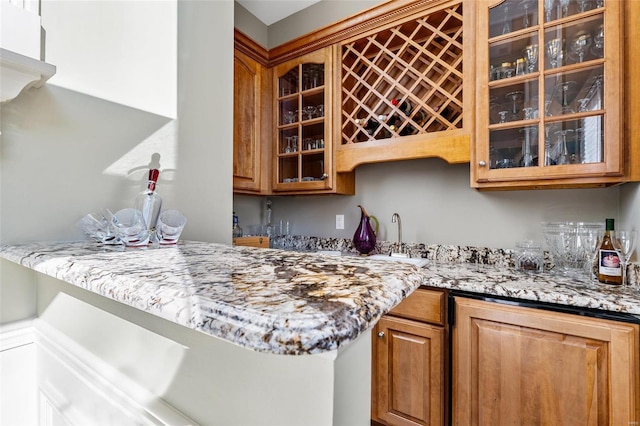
<point x="289" y="117"/>
<point x="503" y="116"/>
<point x="564" y="4"/>
<point x="564" y="96"/>
<point x="590" y="241"/>
<point x="547" y="104"/>
<point x="310" y="110"/>
<point x="506" y="24"/>
<point x="531" y="55"/>
<point x="625" y="243"/>
<point x="549" y="159"/>
<point x="527" y="156"/>
<point x="525" y="5"/>
<point x="548" y="8"/>
<point x="580" y="44"/>
<point x="582" y="5"/>
<point x="598" y="42"/>
<point x="513" y="97"/>
<point x="554" y="52"/>
<point x="562" y="140"/>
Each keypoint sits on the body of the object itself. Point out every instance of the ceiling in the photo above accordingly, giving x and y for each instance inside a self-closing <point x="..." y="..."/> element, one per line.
<point x="270" y="11"/>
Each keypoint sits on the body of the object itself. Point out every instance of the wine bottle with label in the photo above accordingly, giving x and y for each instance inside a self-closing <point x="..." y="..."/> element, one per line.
<point x="609" y="269"/>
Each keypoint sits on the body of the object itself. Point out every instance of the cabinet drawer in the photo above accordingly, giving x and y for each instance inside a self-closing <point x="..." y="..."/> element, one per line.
<point x="422" y="305"/>
<point x="262" y="242"/>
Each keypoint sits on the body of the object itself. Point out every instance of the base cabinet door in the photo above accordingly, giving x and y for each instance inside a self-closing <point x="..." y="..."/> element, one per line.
<point x="516" y="365"/>
<point x="408" y="376"/>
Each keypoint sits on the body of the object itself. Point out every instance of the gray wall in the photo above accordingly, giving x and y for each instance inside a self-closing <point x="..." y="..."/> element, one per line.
<point x="433" y="198"/>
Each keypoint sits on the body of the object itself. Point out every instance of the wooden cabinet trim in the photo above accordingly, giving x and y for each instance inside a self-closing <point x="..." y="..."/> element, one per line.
<point x="353" y="26"/>
<point x="423" y="305"/>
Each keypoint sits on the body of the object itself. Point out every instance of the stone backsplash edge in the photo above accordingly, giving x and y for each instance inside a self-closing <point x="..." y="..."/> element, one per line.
<point x="434" y="252"/>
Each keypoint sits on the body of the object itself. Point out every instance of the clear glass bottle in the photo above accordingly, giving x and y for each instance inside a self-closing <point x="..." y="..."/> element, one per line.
<point x="609" y="270"/>
<point x="150" y="203"/>
<point x="236" y="230"/>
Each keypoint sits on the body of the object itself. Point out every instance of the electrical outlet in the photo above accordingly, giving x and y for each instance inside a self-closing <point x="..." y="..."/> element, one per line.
<point x="339" y="221"/>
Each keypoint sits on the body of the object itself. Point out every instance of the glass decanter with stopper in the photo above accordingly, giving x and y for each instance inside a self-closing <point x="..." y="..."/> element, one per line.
<point x="150" y="204"/>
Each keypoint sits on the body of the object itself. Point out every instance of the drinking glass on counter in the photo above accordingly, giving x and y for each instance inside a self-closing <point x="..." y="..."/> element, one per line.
<point x="131" y="228"/>
<point x="590" y="240"/>
<point x="529" y="256"/>
<point x="625" y="243"/>
<point x="98" y="225"/>
<point x="170" y="226"/>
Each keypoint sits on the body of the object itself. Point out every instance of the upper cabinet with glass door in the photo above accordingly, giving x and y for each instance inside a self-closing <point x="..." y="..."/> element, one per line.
<point x="550" y="94"/>
<point x="303" y="149"/>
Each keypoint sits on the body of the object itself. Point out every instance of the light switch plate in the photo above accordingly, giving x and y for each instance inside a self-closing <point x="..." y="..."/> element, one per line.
<point x="339" y="221"/>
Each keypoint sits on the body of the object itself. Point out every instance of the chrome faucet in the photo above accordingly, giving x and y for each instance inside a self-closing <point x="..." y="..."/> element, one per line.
<point x="401" y="252"/>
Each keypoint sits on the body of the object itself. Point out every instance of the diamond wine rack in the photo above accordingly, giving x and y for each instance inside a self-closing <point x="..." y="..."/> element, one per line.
<point x="404" y="80"/>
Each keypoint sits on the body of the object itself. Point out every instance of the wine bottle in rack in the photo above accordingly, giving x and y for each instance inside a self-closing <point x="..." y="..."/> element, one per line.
<point x="371" y="125"/>
<point x="395" y="122"/>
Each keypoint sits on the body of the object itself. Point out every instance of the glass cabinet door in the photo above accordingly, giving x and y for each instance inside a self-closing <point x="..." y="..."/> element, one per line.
<point x="301" y="149"/>
<point x="551" y="78"/>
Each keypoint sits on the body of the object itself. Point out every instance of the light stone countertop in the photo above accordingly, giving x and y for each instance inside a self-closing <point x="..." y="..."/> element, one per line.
<point x="274" y="301"/>
<point x="288" y="302"/>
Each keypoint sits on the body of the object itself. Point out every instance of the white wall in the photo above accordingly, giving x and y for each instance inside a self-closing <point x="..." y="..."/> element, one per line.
<point x="138" y="84"/>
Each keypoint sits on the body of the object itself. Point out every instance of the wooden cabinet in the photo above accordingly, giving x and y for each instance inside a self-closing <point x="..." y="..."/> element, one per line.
<point x="529" y="366"/>
<point x="253" y="241"/>
<point x="303" y="148"/>
<point x="251" y="85"/>
<point x="550" y="94"/>
<point x="409" y="358"/>
<point x="403" y="88"/>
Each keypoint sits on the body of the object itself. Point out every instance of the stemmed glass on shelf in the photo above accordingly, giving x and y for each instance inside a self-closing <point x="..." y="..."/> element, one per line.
<point x="564" y="4"/>
<point x="580" y="44"/>
<point x="625" y="243"/>
<point x="548" y="8"/>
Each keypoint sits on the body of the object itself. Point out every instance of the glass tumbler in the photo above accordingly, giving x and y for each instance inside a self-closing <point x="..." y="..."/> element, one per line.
<point x="131" y="228"/>
<point x="529" y="256"/>
<point x="170" y="226"/>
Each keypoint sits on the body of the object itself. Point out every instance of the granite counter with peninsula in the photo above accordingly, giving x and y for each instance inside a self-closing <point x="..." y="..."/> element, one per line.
<point x="208" y="333"/>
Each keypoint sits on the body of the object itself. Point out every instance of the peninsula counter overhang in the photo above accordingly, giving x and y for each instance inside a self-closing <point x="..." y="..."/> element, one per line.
<point x="274" y="301"/>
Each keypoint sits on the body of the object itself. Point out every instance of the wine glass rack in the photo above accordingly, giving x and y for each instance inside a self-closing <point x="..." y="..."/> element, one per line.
<point x="405" y="79"/>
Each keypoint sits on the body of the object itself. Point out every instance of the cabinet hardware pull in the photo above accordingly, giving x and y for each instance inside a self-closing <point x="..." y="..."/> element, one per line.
<point x="381" y="334"/>
<point x="482" y="163"/>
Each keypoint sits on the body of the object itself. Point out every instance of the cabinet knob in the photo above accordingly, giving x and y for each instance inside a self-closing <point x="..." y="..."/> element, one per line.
<point x="482" y="163"/>
<point x="381" y="334"/>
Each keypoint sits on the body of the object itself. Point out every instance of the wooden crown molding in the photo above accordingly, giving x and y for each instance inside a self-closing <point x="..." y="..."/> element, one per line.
<point x="389" y="11"/>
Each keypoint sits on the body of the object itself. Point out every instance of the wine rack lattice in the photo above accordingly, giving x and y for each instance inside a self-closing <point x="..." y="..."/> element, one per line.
<point x="419" y="64"/>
